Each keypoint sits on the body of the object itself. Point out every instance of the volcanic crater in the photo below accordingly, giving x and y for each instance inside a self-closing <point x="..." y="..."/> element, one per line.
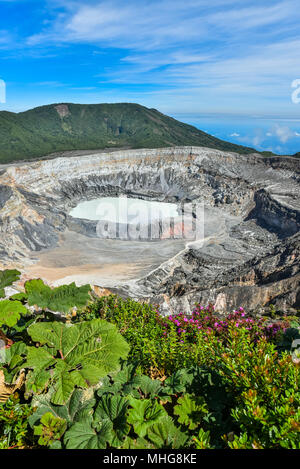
<point x="249" y="253"/>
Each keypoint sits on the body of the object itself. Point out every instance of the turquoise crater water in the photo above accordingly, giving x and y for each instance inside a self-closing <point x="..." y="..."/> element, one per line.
<point x="124" y="210"/>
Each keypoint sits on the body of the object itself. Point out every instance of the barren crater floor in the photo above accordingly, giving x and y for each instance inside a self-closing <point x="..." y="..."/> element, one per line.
<point x="112" y="262"/>
<point x="101" y="262"/>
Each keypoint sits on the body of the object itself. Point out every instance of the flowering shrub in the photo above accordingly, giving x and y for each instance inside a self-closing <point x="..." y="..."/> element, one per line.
<point x="163" y="345"/>
<point x="204" y="320"/>
<point x="260" y="379"/>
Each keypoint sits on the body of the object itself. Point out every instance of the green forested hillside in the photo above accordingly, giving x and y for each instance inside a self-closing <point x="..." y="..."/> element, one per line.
<point x="60" y="127"/>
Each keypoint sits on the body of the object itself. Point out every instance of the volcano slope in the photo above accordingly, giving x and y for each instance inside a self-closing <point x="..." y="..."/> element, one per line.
<point x="250" y="252"/>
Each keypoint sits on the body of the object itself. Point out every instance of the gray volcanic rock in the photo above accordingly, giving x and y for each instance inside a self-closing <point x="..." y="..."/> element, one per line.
<point x="5" y="194"/>
<point x="250" y="252"/>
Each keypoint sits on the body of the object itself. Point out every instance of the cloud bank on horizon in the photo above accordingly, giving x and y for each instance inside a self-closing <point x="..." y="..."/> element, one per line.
<point x="196" y="56"/>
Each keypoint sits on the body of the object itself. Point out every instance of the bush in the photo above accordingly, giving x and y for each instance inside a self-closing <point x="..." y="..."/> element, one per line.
<point x="164" y="345"/>
<point x="246" y="353"/>
<point x="188" y="380"/>
<point x="15" y="431"/>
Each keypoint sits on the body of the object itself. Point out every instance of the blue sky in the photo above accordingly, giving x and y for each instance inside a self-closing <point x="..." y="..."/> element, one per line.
<point x="183" y="57"/>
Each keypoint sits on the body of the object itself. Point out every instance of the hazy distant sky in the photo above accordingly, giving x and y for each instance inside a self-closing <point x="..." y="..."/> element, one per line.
<point x="179" y="56"/>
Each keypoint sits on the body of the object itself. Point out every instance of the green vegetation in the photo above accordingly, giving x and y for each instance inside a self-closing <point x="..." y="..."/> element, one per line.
<point x="44" y="130"/>
<point x="113" y="373"/>
<point x="15" y="431"/>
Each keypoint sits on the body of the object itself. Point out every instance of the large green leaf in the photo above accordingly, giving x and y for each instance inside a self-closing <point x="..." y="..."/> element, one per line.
<point x="78" y="355"/>
<point x="150" y="387"/>
<point x="12" y="360"/>
<point x="114" y="408"/>
<point x="124" y="382"/>
<point x="82" y="435"/>
<point x="127" y="382"/>
<point x="109" y="387"/>
<point x="7" y="278"/>
<point x="164" y="434"/>
<point x="144" y="414"/>
<point x="175" y="384"/>
<point x="74" y="410"/>
<point x="19" y="297"/>
<point x="127" y="376"/>
<point x="11" y="312"/>
<point x="60" y="299"/>
<point x="139" y="443"/>
<point x="191" y="410"/>
<point x="40" y="360"/>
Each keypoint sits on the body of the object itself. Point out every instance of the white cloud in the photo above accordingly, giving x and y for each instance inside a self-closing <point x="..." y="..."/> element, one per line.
<point x="283" y="133"/>
<point x="5" y="39"/>
<point x="137" y="25"/>
<point x="55" y="84"/>
<point x="145" y="25"/>
<point x="235" y="135"/>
